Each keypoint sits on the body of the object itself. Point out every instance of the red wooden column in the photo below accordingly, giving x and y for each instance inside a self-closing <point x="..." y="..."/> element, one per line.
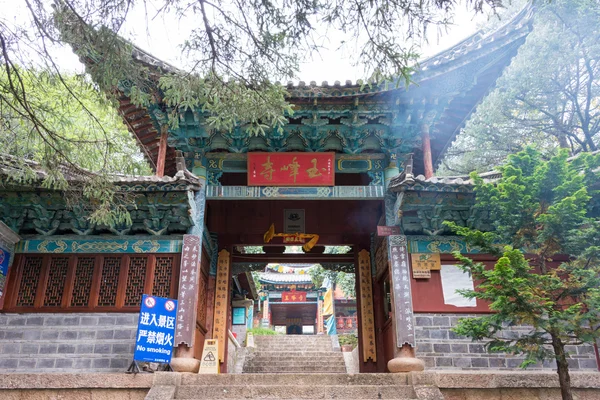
<point x="162" y="151"/>
<point x="427" y="161"/>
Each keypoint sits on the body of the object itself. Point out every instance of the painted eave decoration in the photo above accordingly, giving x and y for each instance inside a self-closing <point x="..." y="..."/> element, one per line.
<point x="162" y="205"/>
<point x="351" y="118"/>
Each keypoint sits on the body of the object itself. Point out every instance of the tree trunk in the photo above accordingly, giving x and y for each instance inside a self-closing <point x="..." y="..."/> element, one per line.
<point x="563" y="368"/>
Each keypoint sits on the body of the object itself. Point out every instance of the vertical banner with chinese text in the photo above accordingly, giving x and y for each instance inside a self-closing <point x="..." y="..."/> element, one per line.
<point x="291" y="169"/>
<point x="188" y="290"/>
<point x="366" y="306"/>
<point x="221" y="302"/>
<point x="400" y="284"/>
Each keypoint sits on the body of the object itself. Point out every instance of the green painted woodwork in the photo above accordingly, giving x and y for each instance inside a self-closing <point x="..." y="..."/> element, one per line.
<point x="219" y="163"/>
<point x="47" y="213"/>
<point x="294" y="193"/>
<point x="139" y="244"/>
<point x="438" y="244"/>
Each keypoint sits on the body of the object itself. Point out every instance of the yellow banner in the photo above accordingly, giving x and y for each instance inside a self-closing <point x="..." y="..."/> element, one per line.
<point x="328" y="302"/>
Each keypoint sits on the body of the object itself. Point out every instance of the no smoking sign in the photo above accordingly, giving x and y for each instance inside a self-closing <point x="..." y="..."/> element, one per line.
<point x="170" y="305"/>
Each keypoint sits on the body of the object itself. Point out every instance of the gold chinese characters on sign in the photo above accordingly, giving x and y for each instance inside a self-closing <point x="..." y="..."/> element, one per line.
<point x="366" y="306"/>
<point x="424" y="263"/>
<point x="291" y="169"/>
<point x="221" y="302"/>
<point x="314" y="238"/>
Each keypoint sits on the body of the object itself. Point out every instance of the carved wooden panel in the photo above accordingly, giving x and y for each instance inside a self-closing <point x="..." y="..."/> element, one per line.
<point x="32" y="270"/>
<point x="109" y="281"/>
<point x="163" y="275"/>
<point x="57" y="277"/>
<point x="95" y="281"/>
<point x="136" y="278"/>
<point x="82" y="286"/>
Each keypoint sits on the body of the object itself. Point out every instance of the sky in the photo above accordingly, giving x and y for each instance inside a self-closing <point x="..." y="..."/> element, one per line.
<point x="162" y="36"/>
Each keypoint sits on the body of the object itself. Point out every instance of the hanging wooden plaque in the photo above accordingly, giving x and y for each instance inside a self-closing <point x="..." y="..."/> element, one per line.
<point x="424" y="263"/>
<point x="221" y="302"/>
<point x="366" y="306"/>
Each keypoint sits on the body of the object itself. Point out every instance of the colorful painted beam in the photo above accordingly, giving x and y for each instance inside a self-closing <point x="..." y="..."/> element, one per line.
<point x="108" y="245"/>
<point x="295" y="193"/>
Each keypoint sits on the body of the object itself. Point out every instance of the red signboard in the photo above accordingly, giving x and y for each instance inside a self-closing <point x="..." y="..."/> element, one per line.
<point x="388" y="230"/>
<point x="293" y="296"/>
<point x="291" y="169"/>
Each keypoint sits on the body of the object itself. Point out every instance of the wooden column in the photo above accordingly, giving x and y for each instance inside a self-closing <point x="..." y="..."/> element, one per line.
<point x="221" y="309"/>
<point x="427" y="160"/>
<point x="162" y="151"/>
<point x="366" y="316"/>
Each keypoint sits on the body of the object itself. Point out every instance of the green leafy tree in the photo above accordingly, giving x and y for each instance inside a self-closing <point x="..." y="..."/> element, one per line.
<point x="235" y="50"/>
<point x="548" y="274"/>
<point x="549" y="95"/>
<point x="346" y="281"/>
<point x="74" y="130"/>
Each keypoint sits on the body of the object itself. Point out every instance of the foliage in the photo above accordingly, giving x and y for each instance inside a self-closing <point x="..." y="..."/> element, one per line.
<point x="87" y="124"/>
<point x="348" y="339"/>
<point x="262" y="332"/>
<point x="346" y="281"/>
<point x="80" y="126"/>
<point x="542" y="209"/>
<point x="549" y="95"/>
<point x="256" y="279"/>
<point x="235" y="51"/>
<point x="318" y="274"/>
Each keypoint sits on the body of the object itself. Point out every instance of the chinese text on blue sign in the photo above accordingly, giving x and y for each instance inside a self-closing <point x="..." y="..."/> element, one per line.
<point x="156" y="330"/>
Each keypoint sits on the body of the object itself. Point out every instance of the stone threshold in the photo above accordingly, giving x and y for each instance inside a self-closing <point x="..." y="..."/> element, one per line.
<point x="65" y="380"/>
<point x="442" y="379"/>
<point x="496" y="379"/>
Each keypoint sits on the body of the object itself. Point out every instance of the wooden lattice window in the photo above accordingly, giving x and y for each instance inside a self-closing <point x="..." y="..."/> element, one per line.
<point x="136" y="278"/>
<point x="87" y="282"/>
<point x="82" y="286"/>
<point x="109" y="281"/>
<point x="163" y="276"/>
<point x="57" y="278"/>
<point x="31" y="270"/>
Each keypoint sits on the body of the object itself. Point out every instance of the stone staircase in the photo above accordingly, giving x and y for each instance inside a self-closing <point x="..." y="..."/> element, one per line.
<point x="286" y="354"/>
<point x="288" y="386"/>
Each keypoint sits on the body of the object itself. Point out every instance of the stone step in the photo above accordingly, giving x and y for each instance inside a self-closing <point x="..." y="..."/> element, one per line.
<point x="294" y="370"/>
<point x="292" y="346"/>
<point x="293" y="337"/>
<point x="306" y="379"/>
<point x="296" y="350"/>
<point x="295" y="392"/>
<point x="283" y="363"/>
<point x="295" y="359"/>
<point x="302" y="353"/>
<point x="285" y="340"/>
<point x="298" y="339"/>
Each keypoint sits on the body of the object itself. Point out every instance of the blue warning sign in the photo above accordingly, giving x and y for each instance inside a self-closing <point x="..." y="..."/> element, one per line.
<point x="156" y="330"/>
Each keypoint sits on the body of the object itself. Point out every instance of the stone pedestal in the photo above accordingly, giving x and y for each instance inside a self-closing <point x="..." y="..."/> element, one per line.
<point x="405" y="361"/>
<point x="184" y="360"/>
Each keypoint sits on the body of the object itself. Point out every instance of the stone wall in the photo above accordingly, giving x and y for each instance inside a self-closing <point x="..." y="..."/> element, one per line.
<point x="440" y="348"/>
<point x="67" y="342"/>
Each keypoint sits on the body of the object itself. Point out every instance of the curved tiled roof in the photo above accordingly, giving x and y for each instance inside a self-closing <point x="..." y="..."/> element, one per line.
<point x="458" y="78"/>
<point x="10" y="164"/>
<point x="442" y="183"/>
